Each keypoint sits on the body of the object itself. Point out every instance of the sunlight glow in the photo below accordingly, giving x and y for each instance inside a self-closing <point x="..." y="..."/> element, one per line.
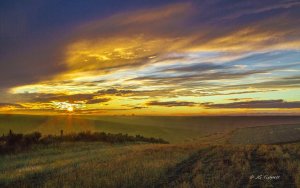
<point x="70" y="109"/>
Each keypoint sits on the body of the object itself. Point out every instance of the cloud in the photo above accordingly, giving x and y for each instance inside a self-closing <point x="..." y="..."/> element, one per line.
<point x="118" y="92"/>
<point x="170" y="103"/>
<point x="98" y="100"/>
<point x="263" y="9"/>
<point x="195" y="77"/>
<point x="139" y="107"/>
<point x="286" y="82"/>
<point x="10" y="105"/>
<point x="222" y="92"/>
<point x="196" y="67"/>
<point x="156" y="51"/>
<point x="131" y="38"/>
<point x="125" y="39"/>
<point x="273" y="85"/>
<point x="256" y="104"/>
<point x="44" y="97"/>
<point x="88" y="98"/>
<point x="135" y="93"/>
<point x="240" y="99"/>
<point x="28" y="54"/>
<point x="134" y="107"/>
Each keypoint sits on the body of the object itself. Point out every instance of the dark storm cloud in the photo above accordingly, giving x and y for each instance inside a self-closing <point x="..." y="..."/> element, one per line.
<point x="256" y="104"/>
<point x="170" y="103"/>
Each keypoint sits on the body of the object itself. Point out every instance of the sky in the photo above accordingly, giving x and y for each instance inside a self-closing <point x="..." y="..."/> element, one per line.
<point x="114" y="57"/>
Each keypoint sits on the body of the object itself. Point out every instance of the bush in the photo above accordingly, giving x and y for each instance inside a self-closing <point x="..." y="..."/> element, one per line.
<point x="13" y="142"/>
<point x="32" y="138"/>
<point x="14" y="139"/>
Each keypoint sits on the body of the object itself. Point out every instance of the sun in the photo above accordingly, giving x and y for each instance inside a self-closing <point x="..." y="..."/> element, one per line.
<point x="70" y="109"/>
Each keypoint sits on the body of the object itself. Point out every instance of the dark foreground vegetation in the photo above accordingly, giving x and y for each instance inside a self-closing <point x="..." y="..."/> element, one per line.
<point x="13" y="142"/>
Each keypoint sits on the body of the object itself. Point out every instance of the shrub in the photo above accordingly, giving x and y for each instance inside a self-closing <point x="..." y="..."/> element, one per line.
<point x="13" y="142"/>
<point x="32" y="138"/>
<point x="14" y="139"/>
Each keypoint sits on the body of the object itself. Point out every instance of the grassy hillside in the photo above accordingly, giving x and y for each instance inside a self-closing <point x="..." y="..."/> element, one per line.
<point x="20" y="123"/>
<point x="207" y="160"/>
<point x="173" y="129"/>
<point x="179" y="129"/>
<point x="266" y="135"/>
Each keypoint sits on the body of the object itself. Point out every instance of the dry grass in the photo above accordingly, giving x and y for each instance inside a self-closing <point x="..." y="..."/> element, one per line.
<point x="204" y="161"/>
<point x="92" y="164"/>
<point x="239" y="166"/>
<point x="153" y="165"/>
<point x="267" y="134"/>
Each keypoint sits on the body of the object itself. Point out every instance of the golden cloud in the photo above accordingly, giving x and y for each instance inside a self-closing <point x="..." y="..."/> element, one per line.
<point x="113" y="52"/>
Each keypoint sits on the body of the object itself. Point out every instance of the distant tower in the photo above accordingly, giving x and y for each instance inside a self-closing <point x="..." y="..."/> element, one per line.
<point x="61" y="133"/>
<point x="10" y="132"/>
